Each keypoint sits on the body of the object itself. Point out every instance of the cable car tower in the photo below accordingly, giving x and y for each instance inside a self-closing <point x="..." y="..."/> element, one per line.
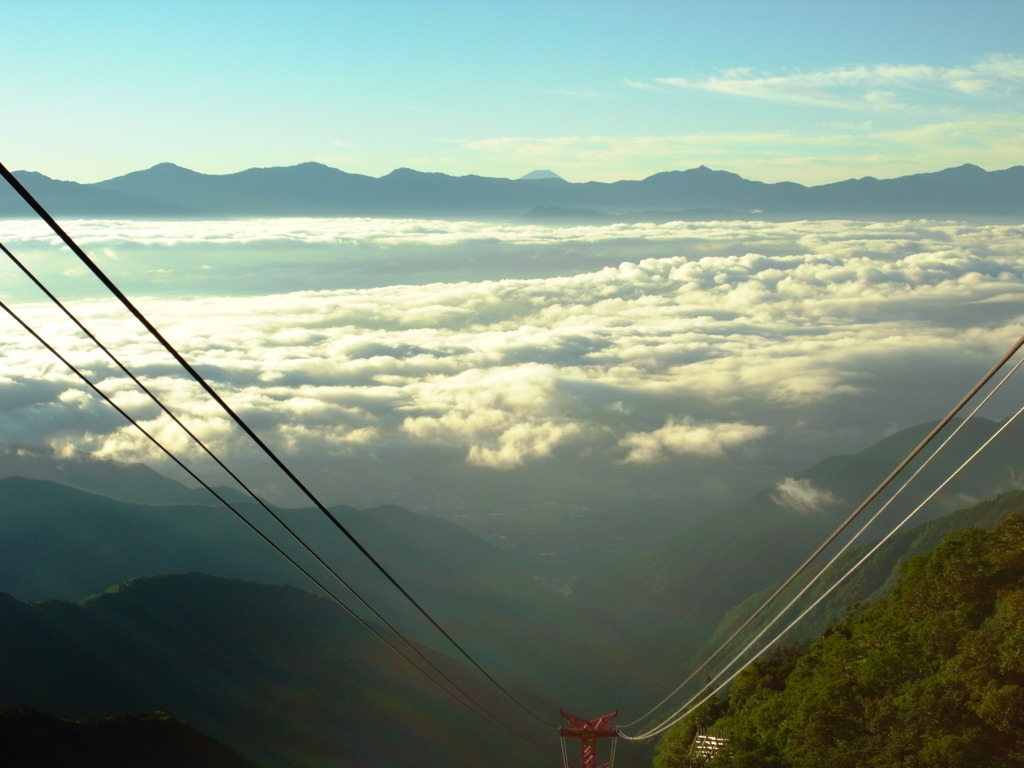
<point x="588" y="732"/>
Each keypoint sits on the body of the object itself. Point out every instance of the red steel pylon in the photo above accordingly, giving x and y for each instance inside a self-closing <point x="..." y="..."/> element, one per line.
<point x="588" y="732"/>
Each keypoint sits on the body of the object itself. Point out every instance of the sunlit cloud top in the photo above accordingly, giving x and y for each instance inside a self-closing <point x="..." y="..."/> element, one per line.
<point x="659" y="348"/>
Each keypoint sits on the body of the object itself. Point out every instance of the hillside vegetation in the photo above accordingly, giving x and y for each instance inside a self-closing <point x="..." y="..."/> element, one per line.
<point x="287" y="678"/>
<point x="930" y="676"/>
<point x="280" y="675"/>
<point x="137" y="740"/>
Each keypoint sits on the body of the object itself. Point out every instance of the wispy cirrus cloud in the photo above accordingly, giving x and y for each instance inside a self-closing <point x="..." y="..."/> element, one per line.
<point x="640" y="85"/>
<point x="876" y="86"/>
<point x="810" y="154"/>
<point x="579" y="93"/>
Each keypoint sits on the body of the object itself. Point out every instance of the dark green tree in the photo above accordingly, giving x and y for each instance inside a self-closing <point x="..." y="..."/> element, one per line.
<point x="674" y="750"/>
<point x="931" y="676"/>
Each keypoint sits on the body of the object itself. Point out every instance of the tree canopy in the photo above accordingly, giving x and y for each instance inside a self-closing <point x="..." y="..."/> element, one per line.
<point x="930" y="676"/>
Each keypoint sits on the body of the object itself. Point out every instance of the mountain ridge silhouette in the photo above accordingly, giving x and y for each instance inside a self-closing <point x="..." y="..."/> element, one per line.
<point x="167" y="190"/>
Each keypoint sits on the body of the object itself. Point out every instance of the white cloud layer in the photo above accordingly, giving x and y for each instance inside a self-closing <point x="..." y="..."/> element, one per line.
<point x="801" y="496"/>
<point x="681" y="438"/>
<point x="578" y="359"/>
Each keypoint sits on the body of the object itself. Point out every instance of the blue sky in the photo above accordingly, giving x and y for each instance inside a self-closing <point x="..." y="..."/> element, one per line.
<point x="595" y="90"/>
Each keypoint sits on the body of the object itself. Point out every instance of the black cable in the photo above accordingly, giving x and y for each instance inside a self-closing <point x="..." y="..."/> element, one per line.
<point x="199" y="379"/>
<point x="707" y="692"/>
<point x="845" y="524"/>
<point x="469" y="702"/>
<point x="309" y="550"/>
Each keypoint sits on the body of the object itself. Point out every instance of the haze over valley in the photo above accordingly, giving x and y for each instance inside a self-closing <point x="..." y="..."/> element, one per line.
<point x="572" y="393"/>
<point x="617" y="417"/>
<point x="507" y="368"/>
<point x="580" y="338"/>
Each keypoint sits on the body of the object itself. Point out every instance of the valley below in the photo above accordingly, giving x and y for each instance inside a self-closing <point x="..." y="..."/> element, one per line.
<point x="161" y="600"/>
<point x="586" y="451"/>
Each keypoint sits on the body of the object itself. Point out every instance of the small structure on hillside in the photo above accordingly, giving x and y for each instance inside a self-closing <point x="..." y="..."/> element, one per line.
<point x="705" y="746"/>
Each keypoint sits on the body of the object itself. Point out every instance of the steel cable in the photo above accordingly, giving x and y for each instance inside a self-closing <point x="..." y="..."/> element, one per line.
<point x="233" y="415"/>
<point x="836" y="557"/>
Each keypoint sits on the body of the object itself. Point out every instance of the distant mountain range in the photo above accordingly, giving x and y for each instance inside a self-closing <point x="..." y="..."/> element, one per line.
<point x="312" y="189"/>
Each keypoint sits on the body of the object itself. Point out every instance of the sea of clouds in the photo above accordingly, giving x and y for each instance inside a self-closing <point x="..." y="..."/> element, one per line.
<point x="454" y="366"/>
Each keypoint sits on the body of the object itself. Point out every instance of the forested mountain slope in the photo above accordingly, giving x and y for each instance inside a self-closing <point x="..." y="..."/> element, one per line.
<point x="140" y="740"/>
<point x="273" y="672"/>
<point x="930" y="675"/>
<point x="873" y="577"/>
<point x="683" y="587"/>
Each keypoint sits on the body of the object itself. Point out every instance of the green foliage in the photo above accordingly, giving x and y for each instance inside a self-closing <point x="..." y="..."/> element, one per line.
<point x="283" y="676"/>
<point x="931" y="676"/>
<point x="130" y="740"/>
<point x="674" y="749"/>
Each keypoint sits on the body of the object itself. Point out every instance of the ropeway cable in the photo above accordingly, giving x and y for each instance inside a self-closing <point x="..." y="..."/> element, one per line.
<point x="195" y="438"/>
<point x="199" y="379"/>
<point x="679" y="714"/>
<point x="775" y="595"/>
<point x="821" y="572"/>
<point x="466" y="699"/>
<point x="842" y="526"/>
<point x="853" y="539"/>
<point x="309" y="550"/>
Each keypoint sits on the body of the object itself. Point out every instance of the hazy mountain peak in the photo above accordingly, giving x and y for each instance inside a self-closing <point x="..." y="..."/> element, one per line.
<point x="313" y="188"/>
<point x="313" y="165"/>
<point x="308" y="170"/>
<point x="701" y="171"/>
<point x="159" y="173"/>
<point x="967" y="169"/>
<point x="171" y="168"/>
<point x="405" y="172"/>
<point x="541" y="173"/>
<point x="36" y="176"/>
<point x="168" y="166"/>
<point x="704" y="171"/>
